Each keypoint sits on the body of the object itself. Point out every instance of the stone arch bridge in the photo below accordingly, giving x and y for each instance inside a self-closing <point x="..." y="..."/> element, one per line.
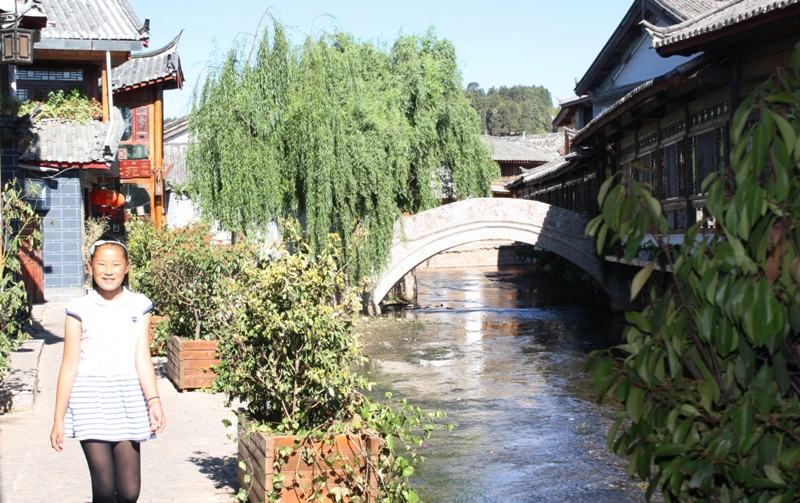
<point x="549" y="227"/>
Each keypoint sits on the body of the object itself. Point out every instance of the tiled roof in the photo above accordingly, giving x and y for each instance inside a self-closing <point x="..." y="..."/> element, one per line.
<point x="514" y="150"/>
<point x="553" y="167"/>
<point x="177" y="126"/>
<point x="92" y="20"/>
<point x="629" y="30"/>
<point x="175" y="151"/>
<point x="34" y="18"/>
<point x="550" y="142"/>
<point x="59" y="141"/>
<point x="634" y="95"/>
<point x="150" y="67"/>
<point x="686" y="9"/>
<point x="572" y="100"/>
<point x="727" y="13"/>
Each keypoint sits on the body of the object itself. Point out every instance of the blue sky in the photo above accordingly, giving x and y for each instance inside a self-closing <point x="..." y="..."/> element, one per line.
<point x="533" y="42"/>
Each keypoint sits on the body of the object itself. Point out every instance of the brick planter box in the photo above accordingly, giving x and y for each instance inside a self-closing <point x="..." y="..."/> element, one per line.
<point x="189" y="362"/>
<point x="260" y="452"/>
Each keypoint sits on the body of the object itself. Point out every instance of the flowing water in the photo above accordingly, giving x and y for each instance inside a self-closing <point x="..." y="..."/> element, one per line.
<point x="502" y="353"/>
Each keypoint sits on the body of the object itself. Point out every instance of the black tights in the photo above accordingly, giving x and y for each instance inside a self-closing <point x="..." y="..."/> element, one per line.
<point x="115" y="470"/>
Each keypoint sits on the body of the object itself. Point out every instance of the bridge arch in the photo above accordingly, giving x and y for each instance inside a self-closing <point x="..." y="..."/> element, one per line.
<point x="433" y="231"/>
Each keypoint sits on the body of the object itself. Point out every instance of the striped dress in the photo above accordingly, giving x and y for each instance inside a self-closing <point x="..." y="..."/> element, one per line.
<point x="107" y="401"/>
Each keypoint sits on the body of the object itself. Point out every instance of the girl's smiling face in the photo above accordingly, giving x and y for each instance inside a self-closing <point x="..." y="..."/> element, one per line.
<point x="109" y="268"/>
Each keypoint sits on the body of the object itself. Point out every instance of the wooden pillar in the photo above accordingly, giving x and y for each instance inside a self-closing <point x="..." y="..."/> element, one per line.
<point x="104" y="94"/>
<point x="158" y="156"/>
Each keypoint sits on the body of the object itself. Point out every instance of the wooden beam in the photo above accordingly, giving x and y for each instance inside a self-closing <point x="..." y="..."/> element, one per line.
<point x="714" y="75"/>
<point x="47" y="55"/>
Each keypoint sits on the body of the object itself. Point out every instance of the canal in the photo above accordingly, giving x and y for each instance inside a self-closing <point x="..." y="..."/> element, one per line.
<point x="502" y="353"/>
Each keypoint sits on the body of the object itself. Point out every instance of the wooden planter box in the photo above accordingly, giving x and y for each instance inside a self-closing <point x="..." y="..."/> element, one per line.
<point x="260" y="455"/>
<point x="189" y="362"/>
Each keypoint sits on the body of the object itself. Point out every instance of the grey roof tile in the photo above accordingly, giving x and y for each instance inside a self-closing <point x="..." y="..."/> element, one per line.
<point x="547" y="170"/>
<point x="726" y="13"/>
<point x="56" y="140"/>
<point x="515" y="150"/>
<point x="92" y="20"/>
<point x="686" y="9"/>
<point x="551" y="142"/>
<point x="147" y="67"/>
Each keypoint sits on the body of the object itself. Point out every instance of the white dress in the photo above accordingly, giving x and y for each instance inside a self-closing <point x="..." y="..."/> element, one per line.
<point x="107" y="401"/>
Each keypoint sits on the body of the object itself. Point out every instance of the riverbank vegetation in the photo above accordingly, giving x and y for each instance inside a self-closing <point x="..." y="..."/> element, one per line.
<point x="345" y="135"/>
<point x="710" y="371"/>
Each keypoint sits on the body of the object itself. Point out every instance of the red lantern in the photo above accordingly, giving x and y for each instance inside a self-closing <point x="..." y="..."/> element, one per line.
<point x="107" y="197"/>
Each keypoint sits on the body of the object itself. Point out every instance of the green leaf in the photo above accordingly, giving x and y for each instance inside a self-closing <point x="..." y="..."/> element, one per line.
<point x="635" y="404"/>
<point x="773" y="473"/>
<point x="703" y="477"/>
<point x="601" y="239"/>
<point x="641" y="279"/>
<point x="601" y="194"/>
<point x="669" y="450"/>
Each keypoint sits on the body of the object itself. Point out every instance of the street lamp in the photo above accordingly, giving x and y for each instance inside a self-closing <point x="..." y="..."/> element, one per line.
<point x="17" y="46"/>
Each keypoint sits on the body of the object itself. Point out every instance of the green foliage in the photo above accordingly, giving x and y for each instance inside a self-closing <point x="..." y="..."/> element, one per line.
<point x="290" y="355"/>
<point x="160" y="336"/>
<point x="289" y="348"/>
<point x="186" y="273"/>
<point x="140" y="237"/>
<point x="512" y="110"/>
<point x="20" y="228"/>
<point x="340" y="133"/>
<point x="73" y="106"/>
<point x="709" y="372"/>
<point x="9" y="105"/>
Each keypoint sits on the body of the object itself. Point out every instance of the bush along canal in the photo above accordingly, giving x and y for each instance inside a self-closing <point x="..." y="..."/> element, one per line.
<point x="502" y="352"/>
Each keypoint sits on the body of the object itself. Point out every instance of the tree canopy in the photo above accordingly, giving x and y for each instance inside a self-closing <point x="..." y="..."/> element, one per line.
<point x="512" y="110"/>
<point x="341" y="133"/>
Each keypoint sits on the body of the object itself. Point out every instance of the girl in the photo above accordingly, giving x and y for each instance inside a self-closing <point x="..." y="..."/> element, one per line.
<point x="107" y="396"/>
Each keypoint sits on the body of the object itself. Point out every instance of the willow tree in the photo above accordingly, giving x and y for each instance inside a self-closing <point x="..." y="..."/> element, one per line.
<point x="343" y="133"/>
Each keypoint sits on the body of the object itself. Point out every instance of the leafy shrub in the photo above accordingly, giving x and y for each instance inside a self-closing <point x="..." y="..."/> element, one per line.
<point x="709" y="371"/>
<point x="289" y="354"/>
<point x="141" y="238"/>
<point x="73" y="106"/>
<point x="290" y="348"/>
<point x="187" y="272"/>
<point x="18" y="218"/>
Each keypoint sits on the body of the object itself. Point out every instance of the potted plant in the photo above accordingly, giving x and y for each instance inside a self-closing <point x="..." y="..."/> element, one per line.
<point x="290" y="356"/>
<point x="187" y="269"/>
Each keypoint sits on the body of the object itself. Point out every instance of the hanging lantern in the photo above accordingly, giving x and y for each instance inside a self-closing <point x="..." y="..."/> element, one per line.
<point x="107" y="197"/>
<point x="17" y="46"/>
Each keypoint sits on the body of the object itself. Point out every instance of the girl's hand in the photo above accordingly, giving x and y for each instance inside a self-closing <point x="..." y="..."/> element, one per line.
<point x="157" y="418"/>
<point x="57" y="437"/>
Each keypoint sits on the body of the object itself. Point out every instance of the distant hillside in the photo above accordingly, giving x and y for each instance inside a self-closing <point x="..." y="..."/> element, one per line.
<point x="512" y="110"/>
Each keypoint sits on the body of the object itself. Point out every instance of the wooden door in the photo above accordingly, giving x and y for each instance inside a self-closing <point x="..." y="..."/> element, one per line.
<point x="31" y="261"/>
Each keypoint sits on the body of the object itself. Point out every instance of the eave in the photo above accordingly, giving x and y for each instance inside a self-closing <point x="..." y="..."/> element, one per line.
<point x="629" y="23"/>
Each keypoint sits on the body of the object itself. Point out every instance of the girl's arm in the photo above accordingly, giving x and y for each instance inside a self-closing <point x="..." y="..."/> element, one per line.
<point x="147" y="378"/>
<point x="66" y="377"/>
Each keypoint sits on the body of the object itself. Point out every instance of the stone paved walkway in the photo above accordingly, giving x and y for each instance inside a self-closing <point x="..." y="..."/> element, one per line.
<point x="193" y="460"/>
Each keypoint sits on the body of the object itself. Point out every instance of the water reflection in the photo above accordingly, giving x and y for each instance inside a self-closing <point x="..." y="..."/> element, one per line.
<point x="502" y="353"/>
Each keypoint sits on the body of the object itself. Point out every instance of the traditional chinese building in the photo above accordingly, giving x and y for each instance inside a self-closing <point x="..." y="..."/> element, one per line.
<point x="139" y="86"/>
<point x="70" y="164"/>
<point x="659" y="98"/>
